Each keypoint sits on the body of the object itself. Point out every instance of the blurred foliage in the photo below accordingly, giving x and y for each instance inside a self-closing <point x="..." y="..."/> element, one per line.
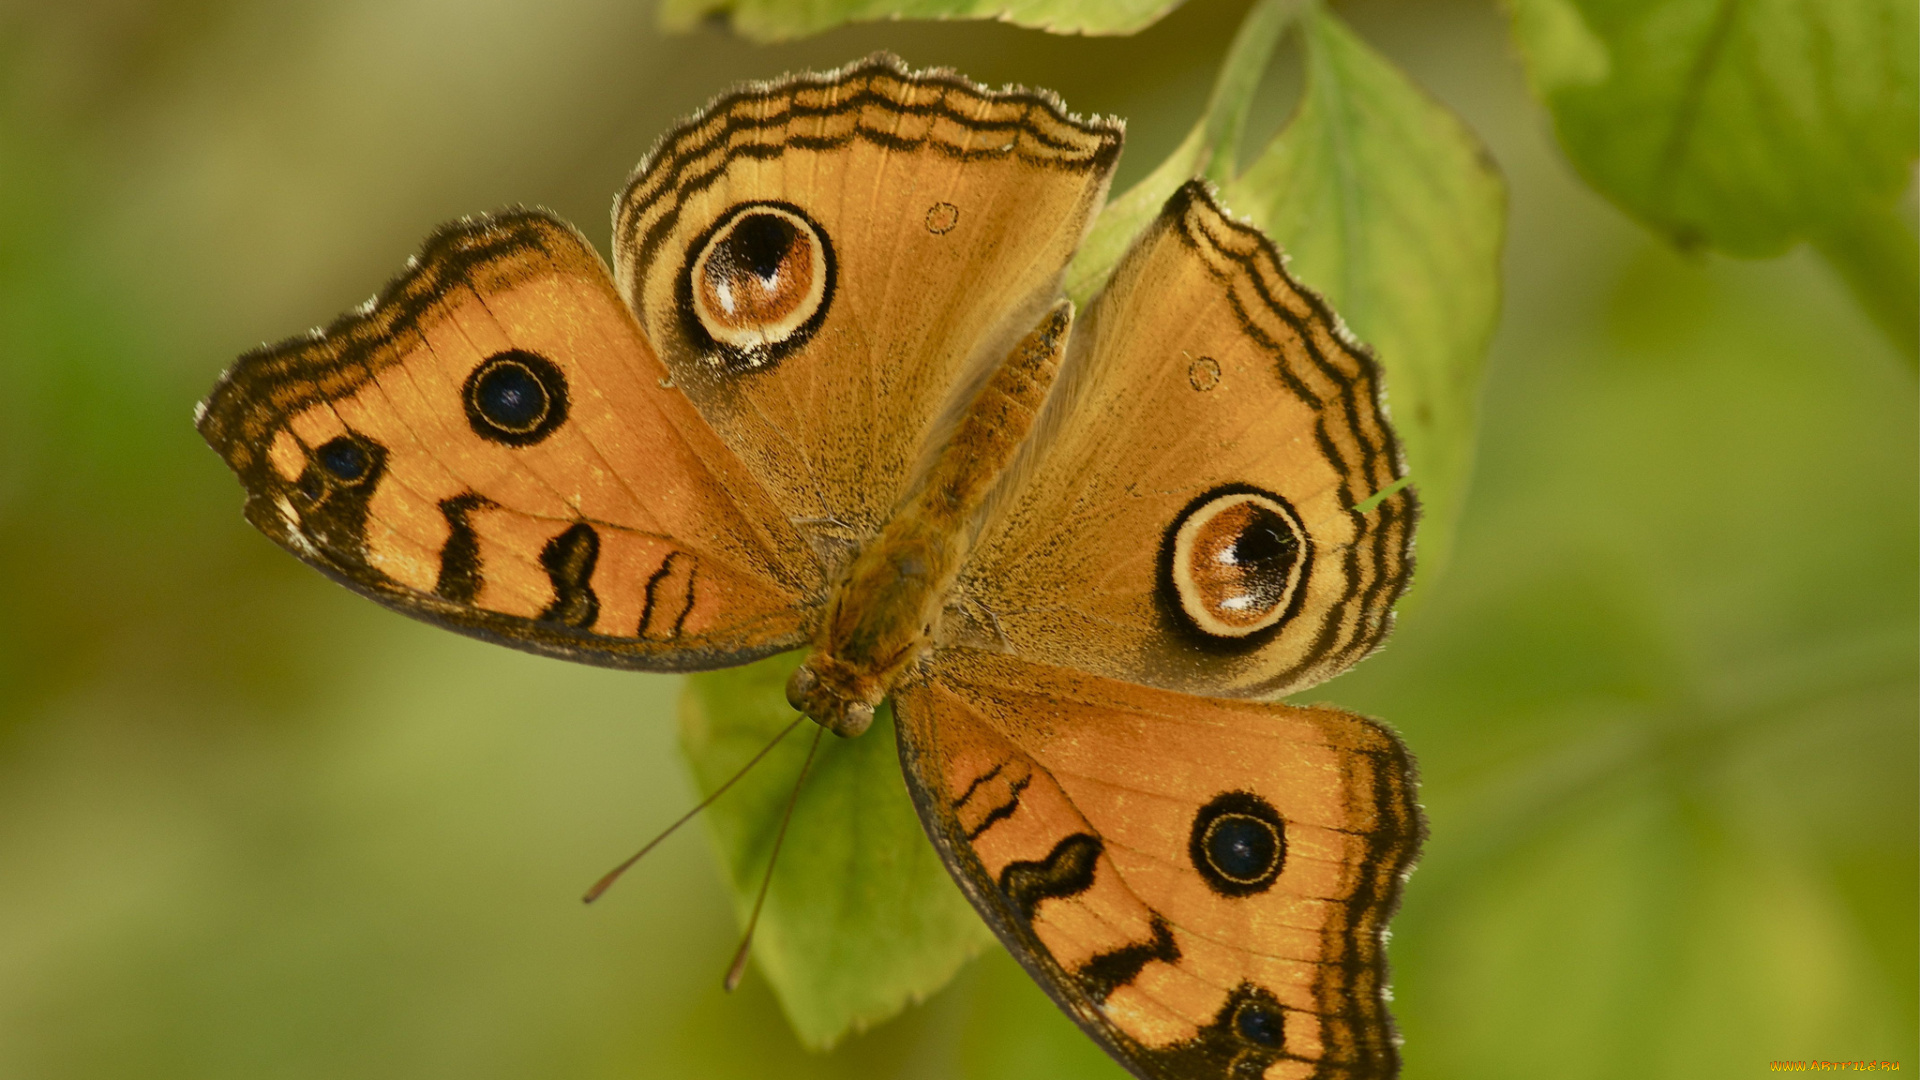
<point x="1747" y="126"/>
<point x="1664" y="697"/>
<point x="778" y="20"/>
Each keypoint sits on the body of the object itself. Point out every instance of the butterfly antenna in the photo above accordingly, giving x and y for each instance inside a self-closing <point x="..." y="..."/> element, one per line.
<point x="739" y="966"/>
<point x="613" y="875"/>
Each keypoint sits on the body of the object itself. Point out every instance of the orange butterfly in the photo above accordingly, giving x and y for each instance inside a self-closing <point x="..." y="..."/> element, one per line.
<point x="829" y="399"/>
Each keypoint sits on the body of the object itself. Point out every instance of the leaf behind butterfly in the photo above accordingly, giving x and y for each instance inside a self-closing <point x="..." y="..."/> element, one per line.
<point x="861" y="919"/>
<point x="1749" y="127"/>
<point x="1389" y="207"/>
<point x="780" y="20"/>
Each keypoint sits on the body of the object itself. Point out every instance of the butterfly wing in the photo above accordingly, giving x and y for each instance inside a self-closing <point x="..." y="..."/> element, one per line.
<point x="1201" y="883"/>
<point x="826" y="263"/>
<point x="491" y="445"/>
<point x="1188" y="512"/>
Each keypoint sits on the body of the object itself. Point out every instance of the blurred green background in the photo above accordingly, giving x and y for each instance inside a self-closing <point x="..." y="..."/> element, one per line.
<point x="253" y="826"/>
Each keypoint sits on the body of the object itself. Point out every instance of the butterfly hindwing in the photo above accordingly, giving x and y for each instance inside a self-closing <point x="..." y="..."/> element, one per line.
<point x="826" y="262"/>
<point x="490" y="444"/>
<point x="1201" y="883"/>
<point x="1187" y="513"/>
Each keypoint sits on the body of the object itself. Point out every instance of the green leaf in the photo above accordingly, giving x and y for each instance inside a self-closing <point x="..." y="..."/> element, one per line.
<point x="1560" y="48"/>
<point x="1390" y="208"/>
<point x="861" y="920"/>
<point x="1875" y="255"/>
<point x="780" y="20"/>
<point x="1747" y="125"/>
<point x="1211" y="149"/>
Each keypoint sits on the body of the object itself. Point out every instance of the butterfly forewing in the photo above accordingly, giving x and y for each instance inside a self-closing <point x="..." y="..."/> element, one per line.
<point x="492" y="445"/>
<point x="1186" y="516"/>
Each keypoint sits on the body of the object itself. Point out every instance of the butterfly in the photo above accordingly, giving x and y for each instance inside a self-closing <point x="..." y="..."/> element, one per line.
<point x="829" y="398"/>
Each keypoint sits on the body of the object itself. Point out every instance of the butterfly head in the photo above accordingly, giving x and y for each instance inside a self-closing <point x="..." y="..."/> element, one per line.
<point x="834" y="694"/>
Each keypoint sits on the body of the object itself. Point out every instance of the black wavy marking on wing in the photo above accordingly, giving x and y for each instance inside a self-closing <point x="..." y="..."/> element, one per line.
<point x="1002" y="812"/>
<point x="672" y="621"/>
<point x="569" y="559"/>
<point x="460" y="571"/>
<point x="1110" y="971"/>
<point x="1066" y="871"/>
<point x="975" y="786"/>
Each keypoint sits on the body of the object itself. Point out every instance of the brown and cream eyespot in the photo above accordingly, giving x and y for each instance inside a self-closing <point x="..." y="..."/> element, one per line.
<point x="1234" y="560"/>
<point x="759" y="282"/>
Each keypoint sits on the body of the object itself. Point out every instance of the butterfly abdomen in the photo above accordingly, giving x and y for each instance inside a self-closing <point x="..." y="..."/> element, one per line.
<point x="996" y="422"/>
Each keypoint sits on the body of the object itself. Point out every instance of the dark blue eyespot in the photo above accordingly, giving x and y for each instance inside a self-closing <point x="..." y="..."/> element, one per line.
<point x="516" y="397"/>
<point x="511" y="397"/>
<point x="346" y="459"/>
<point x="1239" y="843"/>
<point x="1242" y="848"/>
<point x="1258" y="1024"/>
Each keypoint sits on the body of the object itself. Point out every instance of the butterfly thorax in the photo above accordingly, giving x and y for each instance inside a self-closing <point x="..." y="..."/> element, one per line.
<point x="882" y="616"/>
